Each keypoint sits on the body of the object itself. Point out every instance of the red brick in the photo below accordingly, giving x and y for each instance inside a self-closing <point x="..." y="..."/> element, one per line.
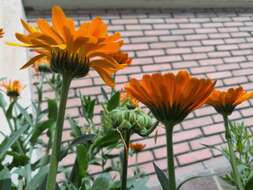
<point x="142" y="61"/>
<point x="186" y="135"/>
<point x="189" y="25"/>
<point x="130" y="70"/>
<point x="207" y="110"/>
<point x="196" y="37"/>
<point x="124" y="21"/>
<point x="219" y="54"/>
<point x="138" y="27"/>
<point x="162" y="59"/>
<point x="234" y="59"/>
<point x="227" y="47"/>
<point x="240" y="34"/>
<point x="150" y="53"/>
<point x="144" y="156"/>
<point x="242" y="72"/>
<point x="115" y="28"/>
<point x="176" y="20"/>
<point x="242" y="52"/>
<point x="234" y="40"/>
<point x="188" y="43"/>
<point x="159" y="45"/>
<point x="194" y="157"/>
<point x="212" y="25"/>
<point x="151" y="21"/>
<point x="185" y="64"/>
<point x="131" y="33"/>
<point x="211" y="62"/>
<point x="194" y="56"/>
<point x="203" y="49"/>
<point x="235" y="80"/>
<point x="219" y="75"/>
<point x="182" y="31"/>
<point x="219" y="35"/>
<point x="165" y="26"/>
<point x="132" y="47"/>
<point x="202" y="69"/>
<point x="212" y="140"/>
<point x="246" y="45"/>
<point x="156" y="67"/>
<point x="213" y="129"/>
<point x="197" y="122"/>
<point x="156" y="32"/>
<point x="205" y="30"/>
<point x="171" y="38"/>
<point x="228" y="67"/>
<point x="199" y="20"/>
<point x="228" y="29"/>
<point x="213" y="42"/>
<point x="144" y="39"/>
<point x="178" y="50"/>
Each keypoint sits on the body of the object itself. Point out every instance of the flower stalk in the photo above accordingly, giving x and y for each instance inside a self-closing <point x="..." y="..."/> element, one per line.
<point x="126" y="136"/>
<point x="170" y="157"/>
<point x="239" y="185"/>
<point x="57" y="136"/>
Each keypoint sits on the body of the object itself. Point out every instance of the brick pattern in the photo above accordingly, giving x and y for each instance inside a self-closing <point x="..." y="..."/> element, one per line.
<point x="208" y="43"/>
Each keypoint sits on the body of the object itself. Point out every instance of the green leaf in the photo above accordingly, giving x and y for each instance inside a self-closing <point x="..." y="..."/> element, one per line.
<point x="75" y="129"/>
<point x="52" y="109"/>
<point x="163" y="179"/>
<point x="9" y="110"/>
<point x="40" y="128"/>
<point x="38" y="179"/>
<point x="114" y="101"/>
<point x="2" y="101"/>
<point x="82" y="159"/>
<point x="25" y="114"/>
<point x="88" y="105"/>
<point x="109" y="138"/>
<point x="249" y="184"/>
<point x="102" y="182"/>
<point x="84" y="139"/>
<point x="8" y="142"/>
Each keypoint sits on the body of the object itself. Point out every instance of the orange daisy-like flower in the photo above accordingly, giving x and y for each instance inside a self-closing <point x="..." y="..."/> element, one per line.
<point x="42" y="65"/>
<point x="1" y="32"/>
<point x="225" y="101"/>
<point x="12" y="88"/>
<point x="171" y="97"/>
<point x="137" y="147"/>
<point x="124" y="97"/>
<point x="73" y="50"/>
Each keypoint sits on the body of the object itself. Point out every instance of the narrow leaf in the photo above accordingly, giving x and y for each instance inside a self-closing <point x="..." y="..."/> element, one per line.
<point x="163" y="179"/>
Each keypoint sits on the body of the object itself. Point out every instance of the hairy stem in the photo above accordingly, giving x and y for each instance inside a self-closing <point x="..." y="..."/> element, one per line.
<point x="170" y="157"/>
<point x="57" y="136"/>
<point x="239" y="185"/>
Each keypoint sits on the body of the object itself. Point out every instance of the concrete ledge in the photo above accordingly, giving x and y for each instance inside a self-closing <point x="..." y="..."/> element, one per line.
<point x="114" y="4"/>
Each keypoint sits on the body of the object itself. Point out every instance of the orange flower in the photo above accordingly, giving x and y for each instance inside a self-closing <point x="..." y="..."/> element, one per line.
<point x="171" y="97"/>
<point x="124" y="97"/>
<point x="42" y="65"/>
<point x="90" y="45"/>
<point x="137" y="147"/>
<point x="225" y="101"/>
<point x="12" y="88"/>
<point x="1" y="32"/>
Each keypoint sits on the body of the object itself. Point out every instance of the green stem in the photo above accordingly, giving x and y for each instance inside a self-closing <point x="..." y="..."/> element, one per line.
<point x="233" y="163"/>
<point x="57" y="136"/>
<point x="125" y="161"/>
<point x="170" y="157"/>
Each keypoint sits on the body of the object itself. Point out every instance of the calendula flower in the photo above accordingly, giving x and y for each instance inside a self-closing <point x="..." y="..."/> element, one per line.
<point x="71" y="50"/>
<point x="171" y="97"/>
<point x="124" y="97"/>
<point x="1" y="32"/>
<point x="42" y="65"/>
<point x="137" y="147"/>
<point x="12" y="88"/>
<point x="225" y="101"/>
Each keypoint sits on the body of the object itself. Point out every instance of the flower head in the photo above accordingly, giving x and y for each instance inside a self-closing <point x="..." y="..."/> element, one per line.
<point x="1" y="32"/>
<point x="171" y="97"/>
<point x="225" y="101"/>
<point x="137" y="147"/>
<point x="12" y="88"/>
<point x="124" y="97"/>
<point x="42" y="65"/>
<point x="90" y="45"/>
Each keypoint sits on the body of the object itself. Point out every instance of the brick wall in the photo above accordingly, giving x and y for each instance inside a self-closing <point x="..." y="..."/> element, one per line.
<point x="208" y="43"/>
